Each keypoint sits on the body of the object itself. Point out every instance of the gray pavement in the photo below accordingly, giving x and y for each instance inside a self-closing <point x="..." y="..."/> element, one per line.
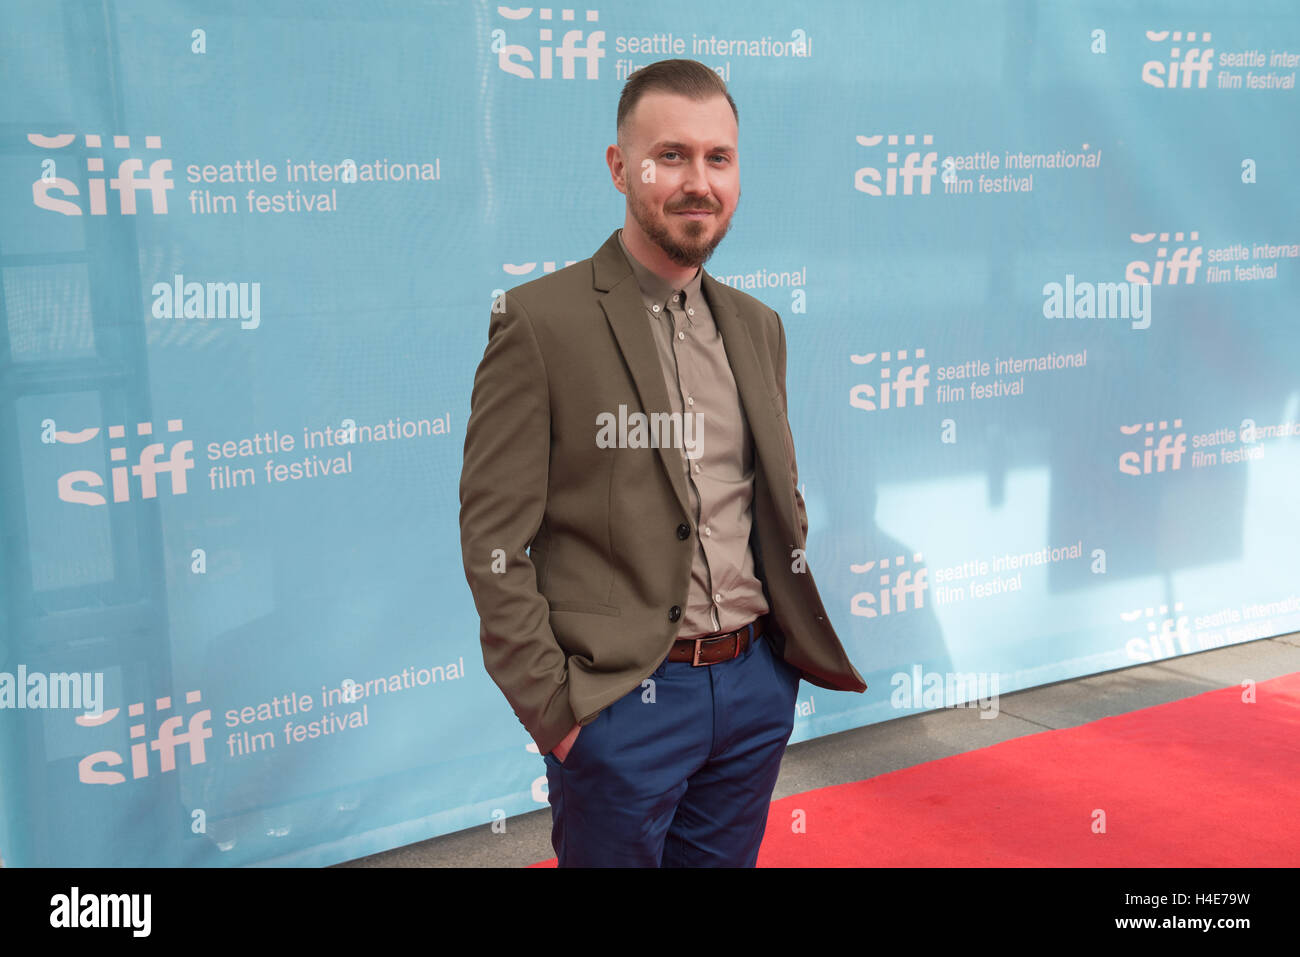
<point x="907" y="741"/>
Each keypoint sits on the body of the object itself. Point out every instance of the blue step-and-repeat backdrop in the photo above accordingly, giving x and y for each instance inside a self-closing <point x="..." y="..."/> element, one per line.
<point x="1037" y="265"/>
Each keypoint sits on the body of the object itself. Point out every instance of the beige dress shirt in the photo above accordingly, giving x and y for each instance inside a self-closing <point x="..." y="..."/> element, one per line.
<point x="725" y="593"/>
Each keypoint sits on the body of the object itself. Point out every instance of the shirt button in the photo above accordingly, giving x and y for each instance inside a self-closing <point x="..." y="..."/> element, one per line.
<point x="706" y="530"/>
<point x="655" y="308"/>
<point x="690" y="400"/>
<point x="690" y="312"/>
<point x="718" y="599"/>
<point x="697" y="466"/>
<point x="681" y="335"/>
<point x="676" y="296"/>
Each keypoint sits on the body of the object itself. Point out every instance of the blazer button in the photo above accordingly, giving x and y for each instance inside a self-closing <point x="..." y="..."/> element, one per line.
<point x="683" y="530"/>
<point x="674" y="613"/>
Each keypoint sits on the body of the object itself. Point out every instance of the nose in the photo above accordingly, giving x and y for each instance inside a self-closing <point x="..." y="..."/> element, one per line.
<point x="696" y="182"/>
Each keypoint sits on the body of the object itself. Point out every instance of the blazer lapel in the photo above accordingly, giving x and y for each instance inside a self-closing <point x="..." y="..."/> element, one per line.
<point x="625" y="313"/>
<point x="762" y="408"/>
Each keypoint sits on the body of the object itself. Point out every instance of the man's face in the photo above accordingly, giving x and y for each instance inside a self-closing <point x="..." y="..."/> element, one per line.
<point x="694" y="174"/>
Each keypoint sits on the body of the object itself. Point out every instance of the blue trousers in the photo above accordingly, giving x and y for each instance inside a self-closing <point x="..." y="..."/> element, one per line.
<point x="679" y="772"/>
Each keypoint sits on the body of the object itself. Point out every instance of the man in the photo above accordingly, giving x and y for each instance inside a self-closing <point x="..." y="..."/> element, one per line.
<point x="631" y="526"/>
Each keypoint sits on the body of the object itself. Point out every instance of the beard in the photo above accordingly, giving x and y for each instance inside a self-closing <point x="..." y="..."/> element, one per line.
<point x="693" y="249"/>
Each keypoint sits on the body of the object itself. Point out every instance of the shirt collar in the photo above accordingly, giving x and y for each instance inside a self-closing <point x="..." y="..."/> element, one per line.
<point x="655" y="290"/>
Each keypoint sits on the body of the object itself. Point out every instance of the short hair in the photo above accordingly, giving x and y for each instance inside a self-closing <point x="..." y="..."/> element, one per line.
<point x="689" y="78"/>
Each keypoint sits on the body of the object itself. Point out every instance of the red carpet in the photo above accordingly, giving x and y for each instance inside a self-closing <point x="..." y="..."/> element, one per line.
<point x="1209" y="781"/>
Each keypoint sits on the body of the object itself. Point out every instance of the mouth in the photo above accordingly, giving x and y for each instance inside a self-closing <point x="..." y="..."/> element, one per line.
<point x="694" y="213"/>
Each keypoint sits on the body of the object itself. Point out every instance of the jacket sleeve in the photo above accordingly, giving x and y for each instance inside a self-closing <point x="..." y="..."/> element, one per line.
<point x="503" y="485"/>
<point x="794" y="467"/>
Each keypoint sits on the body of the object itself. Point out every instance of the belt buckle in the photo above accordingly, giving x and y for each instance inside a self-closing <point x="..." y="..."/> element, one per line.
<point x="735" y="635"/>
<point x="695" y="661"/>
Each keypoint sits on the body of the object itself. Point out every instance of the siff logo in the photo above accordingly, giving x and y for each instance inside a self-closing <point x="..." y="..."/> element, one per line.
<point x="165" y="742"/>
<point x="1159" y="641"/>
<point x="125" y="183"/>
<point x="908" y="378"/>
<point x="569" y="50"/>
<point x="1164" y="270"/>
<point x="523" y="269"/>
<point x="146" y="470"/>
<point x="914" y="167"/>
<point x="905" y="583"/>
<point x="1170" y="446"/>
<point x="1197" y="61"/>
<point x="519" y="270"/>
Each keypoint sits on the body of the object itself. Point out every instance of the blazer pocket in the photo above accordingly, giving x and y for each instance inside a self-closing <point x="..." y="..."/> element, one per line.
<point x="586" y="608"/>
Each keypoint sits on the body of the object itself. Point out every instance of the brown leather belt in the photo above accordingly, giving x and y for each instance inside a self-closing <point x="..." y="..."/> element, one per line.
<point x="710" y="649"/>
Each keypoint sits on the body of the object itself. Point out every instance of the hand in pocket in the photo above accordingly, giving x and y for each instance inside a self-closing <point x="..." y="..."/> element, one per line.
<point x="561" y="750"/>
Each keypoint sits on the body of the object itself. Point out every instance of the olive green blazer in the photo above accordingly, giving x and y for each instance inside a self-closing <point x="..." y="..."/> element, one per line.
<point x="579" y="557"/>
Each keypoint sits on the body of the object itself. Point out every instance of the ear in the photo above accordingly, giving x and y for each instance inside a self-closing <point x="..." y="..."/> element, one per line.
<point x="617" y="168"/>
